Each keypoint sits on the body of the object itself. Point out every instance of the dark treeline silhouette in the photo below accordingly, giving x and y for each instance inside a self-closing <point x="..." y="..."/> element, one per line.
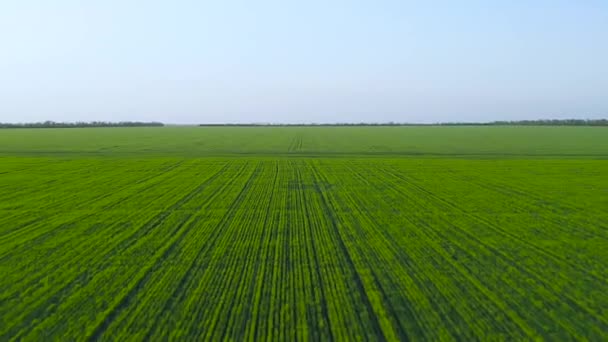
<point x="554" y="122"/>
<point x="52" y="124"/>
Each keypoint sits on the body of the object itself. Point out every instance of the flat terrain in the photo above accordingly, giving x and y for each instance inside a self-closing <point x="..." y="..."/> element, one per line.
<point x="304" y="233"/>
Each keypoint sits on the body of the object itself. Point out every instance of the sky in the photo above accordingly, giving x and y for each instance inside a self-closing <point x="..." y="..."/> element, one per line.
<point x="317" y="61"/>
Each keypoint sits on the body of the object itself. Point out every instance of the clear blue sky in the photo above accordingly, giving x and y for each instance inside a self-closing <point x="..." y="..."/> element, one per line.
<point x="306" y="61"/>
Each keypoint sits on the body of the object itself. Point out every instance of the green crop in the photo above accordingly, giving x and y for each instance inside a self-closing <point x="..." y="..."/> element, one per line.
<point x="304" y="233"/>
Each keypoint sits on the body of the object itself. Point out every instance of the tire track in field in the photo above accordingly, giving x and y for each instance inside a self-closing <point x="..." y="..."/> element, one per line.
<point x="160" y="177"/>
<point x="403" y="257"/>
<point x="143" y="276"/>
<point x="150" y="224"/>
<point x="224" y="311"/>
<point x="159" y="218"/>
<point x="39" y="238"/>
<point x="415" y="325"/>
<point x="399" y="331"/>
<point x="511" y="189"/>
<point x="255" y="288"/>
<point x="509" y="259"/>
<point x="209" y="246"/>
<point x="71" y="189"/>
<point x="568" y="232"/>
<point x="250" y="268"/>
<point x="47" y="234"/>
<point x="179" y="292"/>
<point x="497" y="229"/>
<point x="44" y="235"/>
<point x="211" y="307"/>
<point x="292" y="144"/>
<point x="160" y="255"/>
<point x="122" y="246"/>
<point x="135" y="312"/>
<point x="362" y="227"/>
<point x="19" y="226"/>
<point x="315" y="257"/>
<point x="329" y="211"/>
<point x="31" y="188"/>
<point x="437" y="235"/>
<point x="532" y="326"/>
<point x="295" y="145"/>
<point x="12" y="171"/>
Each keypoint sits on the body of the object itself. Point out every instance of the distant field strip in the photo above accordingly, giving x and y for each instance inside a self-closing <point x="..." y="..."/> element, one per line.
<point x="312" y="142"/>
<point x="303" y="248"/>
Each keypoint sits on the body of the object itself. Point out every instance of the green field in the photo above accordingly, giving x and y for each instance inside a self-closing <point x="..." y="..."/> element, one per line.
<point x="304" y="233"/>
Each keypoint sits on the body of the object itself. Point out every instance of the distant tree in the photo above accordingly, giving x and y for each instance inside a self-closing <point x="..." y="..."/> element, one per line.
<point x="52" y="124"/>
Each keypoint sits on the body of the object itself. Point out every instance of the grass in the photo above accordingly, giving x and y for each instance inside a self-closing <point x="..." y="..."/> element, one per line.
<point x="297" y="233"/>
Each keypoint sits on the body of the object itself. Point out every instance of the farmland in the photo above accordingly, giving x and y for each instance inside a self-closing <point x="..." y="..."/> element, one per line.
<point x="304" y="233"/>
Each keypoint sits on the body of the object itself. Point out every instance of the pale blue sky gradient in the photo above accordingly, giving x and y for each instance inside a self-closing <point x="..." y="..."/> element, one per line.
<point x="305" y="61"/>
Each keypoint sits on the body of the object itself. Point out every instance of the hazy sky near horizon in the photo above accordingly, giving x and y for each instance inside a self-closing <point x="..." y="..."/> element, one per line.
<point x="302" y="61"/>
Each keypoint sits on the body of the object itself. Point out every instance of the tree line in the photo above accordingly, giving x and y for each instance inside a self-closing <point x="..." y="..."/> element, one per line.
<point x="552" y="122"/>
<point x="52" y="124"/>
